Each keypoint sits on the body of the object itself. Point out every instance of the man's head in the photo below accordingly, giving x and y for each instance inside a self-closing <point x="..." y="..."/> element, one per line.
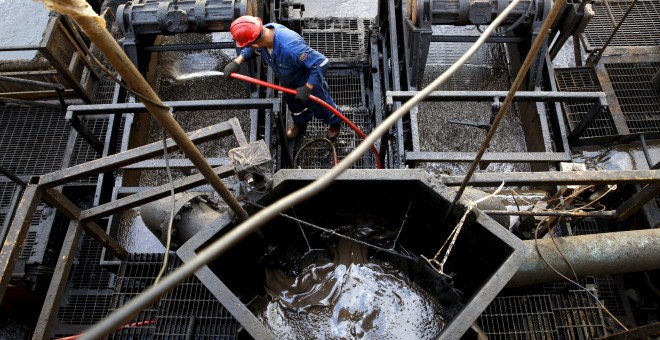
<point x="246" y="30"/>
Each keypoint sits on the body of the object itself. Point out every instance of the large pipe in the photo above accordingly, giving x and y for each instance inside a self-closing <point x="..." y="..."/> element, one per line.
<point x="94" y="26"/>
<point x="590" y="255"/>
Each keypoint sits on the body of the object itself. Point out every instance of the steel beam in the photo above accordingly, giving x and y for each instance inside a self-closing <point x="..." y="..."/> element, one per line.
<point x="637" y="201"/>
<point x="487" y="96"/>
<point x="11" y="249"/>
<point x="191" y="47"/>
<point x="189" y="105"/>
<point x="72" y="212"/>
<point x="150" y="195"/>
<point x="133" y="155"/>
<point x="489" y="157"/>
<point x="473" y="38"/>
<point x="557" y="178"/>
<point x="48" y="313"/>
<point x="177" y="163"/>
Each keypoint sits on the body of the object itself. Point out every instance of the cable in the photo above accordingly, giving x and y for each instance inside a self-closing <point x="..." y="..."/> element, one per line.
<point x="600" y="304"/>
<point x="332" y="145"/>
<point x="248" y="226"/>
<point x="168" y="243"/>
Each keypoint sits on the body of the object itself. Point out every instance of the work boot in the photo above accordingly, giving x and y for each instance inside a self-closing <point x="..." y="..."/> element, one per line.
<point x="295" y="131"/>
<point x="333" y="131"/>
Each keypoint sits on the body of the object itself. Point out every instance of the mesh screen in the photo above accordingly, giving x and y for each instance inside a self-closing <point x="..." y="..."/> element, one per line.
<point x="82" y="151"/>
<point x="583" y="79"/>
<point x="7" y="190"/>
<point x="641" y="27"/>
<point x="639" y="102"/>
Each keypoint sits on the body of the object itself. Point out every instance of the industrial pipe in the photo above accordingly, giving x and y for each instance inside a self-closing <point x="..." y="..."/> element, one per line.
<point x="590" y="255"/>
<point x="314" y="99"/>
<point x="94" y="26"/>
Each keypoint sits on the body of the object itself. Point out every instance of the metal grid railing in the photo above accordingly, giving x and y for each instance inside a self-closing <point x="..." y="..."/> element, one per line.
<point x="641" y="27"/>
<point x="583" y="79"/>
<point x="639" y="102"/>
<point x="104" y="90"/>
<point x="339" y="39"/>
<point x="32" y="140"/>
<point x="547" y="316"/>
<point x="348" y="93"/>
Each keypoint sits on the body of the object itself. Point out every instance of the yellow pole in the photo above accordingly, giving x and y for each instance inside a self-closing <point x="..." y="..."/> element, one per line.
<point x="94" y="26"/>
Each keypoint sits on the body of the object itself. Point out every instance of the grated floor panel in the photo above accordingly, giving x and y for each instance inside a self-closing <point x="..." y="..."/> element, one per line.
<point x="349" y="94"/>
<point x="639" y="102"/>
<point x="33" y="140"/>
<point x="7" y="190"/>
<point x="583" y="79"/>
<point x="641" y="27"/>
<point x="546" y="316"/>
<point x="188" y="308"/>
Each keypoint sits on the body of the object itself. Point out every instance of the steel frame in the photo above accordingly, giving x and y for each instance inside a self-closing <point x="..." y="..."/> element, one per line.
<point x="43" y="187"/>
<point x="411" y="157"/>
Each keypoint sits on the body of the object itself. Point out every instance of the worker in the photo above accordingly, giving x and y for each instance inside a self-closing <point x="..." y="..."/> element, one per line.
<point x="297" y="66"/>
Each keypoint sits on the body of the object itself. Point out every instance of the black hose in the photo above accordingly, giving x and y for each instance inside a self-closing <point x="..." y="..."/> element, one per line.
<point x="332" y="145"/>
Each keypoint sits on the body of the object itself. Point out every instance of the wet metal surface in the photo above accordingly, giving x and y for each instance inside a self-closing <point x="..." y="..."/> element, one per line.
<point x="619" y="157"/>
<point x="349" y="297"/>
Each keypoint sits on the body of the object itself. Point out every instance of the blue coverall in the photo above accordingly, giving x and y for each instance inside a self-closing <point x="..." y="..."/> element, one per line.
<point x="296" y="64"/>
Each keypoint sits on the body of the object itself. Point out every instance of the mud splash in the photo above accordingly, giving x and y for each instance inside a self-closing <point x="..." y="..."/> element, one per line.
<point x="349" y="297"/>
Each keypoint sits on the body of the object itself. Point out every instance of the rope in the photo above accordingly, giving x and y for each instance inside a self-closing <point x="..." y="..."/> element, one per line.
<point x="439" y="266"/>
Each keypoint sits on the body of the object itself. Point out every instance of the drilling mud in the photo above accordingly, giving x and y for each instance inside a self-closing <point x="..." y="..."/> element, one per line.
<point x="349" y="297"/>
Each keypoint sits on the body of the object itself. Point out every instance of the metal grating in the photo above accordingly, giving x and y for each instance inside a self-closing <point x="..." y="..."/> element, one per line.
<point x="188" y="308"/>
<point x="521" y="317"/>
<point x="587" y="226"/>
<point x="610" y="292"/>
<point x="32" y="140"/>
<point x="639" y="102"/>
<point x="583" y="79"/>
<point x="339" y="39"/>
<point x="84" y="309"/>
<point x="548" y="316"/>
<point x="7" y="190"/>
<point x="28" y="246"/>
<point x="135" y="275"/>
<point x="104" y="90"/>
<point x="83" y="152"/>
<point x="349" y="94"/>
<point x="641" y="27"/>
<point x="87" y="273"/>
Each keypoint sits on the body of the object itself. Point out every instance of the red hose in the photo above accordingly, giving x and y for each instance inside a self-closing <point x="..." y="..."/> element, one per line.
<point x="316" y="100"/>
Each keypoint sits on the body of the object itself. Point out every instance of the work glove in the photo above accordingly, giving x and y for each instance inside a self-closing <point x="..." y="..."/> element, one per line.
<point x="231" y="68"/>
<point x="303" y="93"/>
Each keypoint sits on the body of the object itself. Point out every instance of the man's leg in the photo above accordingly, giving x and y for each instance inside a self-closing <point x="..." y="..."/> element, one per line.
<point x="300" y="115"/>
<point x="320" y="112"/>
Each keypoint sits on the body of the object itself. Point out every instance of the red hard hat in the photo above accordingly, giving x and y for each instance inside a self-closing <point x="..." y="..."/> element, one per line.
<point x="246" y="30"/>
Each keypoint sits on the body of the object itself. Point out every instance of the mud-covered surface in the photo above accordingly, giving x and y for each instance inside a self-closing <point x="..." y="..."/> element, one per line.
<point x="436" y="134"/>
<point x="349" y="296"/>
